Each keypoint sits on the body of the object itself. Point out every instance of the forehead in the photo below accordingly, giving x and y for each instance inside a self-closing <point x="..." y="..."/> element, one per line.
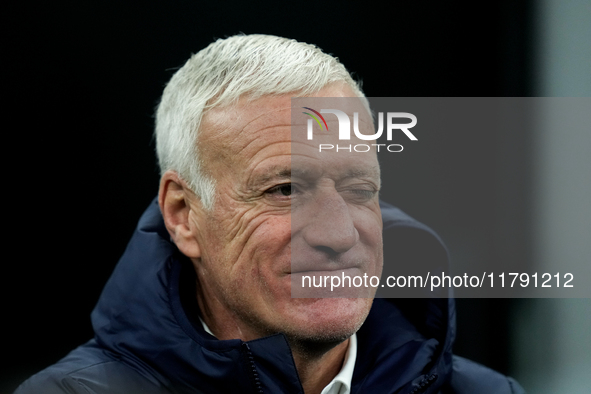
<point x="247" y="116"/>
<point x="261" y="130"/>
<point x="245" y="123"/>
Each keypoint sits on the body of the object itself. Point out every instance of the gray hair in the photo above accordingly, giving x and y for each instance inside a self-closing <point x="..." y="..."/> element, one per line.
<point x="239" y="66"/>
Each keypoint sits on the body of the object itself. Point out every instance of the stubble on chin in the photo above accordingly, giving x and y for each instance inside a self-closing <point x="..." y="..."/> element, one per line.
<point x="316" y="341"/>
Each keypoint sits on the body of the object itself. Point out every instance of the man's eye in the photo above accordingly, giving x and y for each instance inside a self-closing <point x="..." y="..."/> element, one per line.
<point x="361" y="195"/>
<point x="364" y="193"/>
<point x="283" y="190"/>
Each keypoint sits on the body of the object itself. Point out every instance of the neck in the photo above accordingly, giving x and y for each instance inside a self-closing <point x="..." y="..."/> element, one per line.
<point x="316" y="365"/>
<point x="317" y="362"/>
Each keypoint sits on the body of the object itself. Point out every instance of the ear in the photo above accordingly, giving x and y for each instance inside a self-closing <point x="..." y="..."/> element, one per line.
<point x="173" y="198"/>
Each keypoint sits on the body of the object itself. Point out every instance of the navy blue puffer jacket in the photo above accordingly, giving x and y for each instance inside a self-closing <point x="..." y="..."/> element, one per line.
<point x="148" y="338"/>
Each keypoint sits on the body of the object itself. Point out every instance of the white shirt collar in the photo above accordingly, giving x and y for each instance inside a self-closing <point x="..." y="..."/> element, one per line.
<point x="341" y="384"/>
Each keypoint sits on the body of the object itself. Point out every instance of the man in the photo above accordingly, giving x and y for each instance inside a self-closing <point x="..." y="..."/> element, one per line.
<point x="201" y="300"/>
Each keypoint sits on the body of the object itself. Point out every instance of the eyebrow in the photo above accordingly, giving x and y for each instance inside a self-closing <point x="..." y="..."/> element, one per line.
<point x="282" y="172"/>
<point x="362" y="172"/>
<point x="277" y="172"/>
<point x="285" y="173"/>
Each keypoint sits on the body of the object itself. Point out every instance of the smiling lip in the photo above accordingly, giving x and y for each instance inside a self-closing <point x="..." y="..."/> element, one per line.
<point x="322" y="268"/>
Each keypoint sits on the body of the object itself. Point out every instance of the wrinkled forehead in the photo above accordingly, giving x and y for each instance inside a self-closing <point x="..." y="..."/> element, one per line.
<point x="251" y="129"/>
<point x="245" y="118"/>
<point x="259" y="115"/>
<point x="247" y="113"/>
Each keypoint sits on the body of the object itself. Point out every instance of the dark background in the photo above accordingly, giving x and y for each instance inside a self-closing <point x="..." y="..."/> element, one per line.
<point x="81" y="80"/>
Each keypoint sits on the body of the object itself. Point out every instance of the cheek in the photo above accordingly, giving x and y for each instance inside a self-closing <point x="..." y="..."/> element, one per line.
<point x="271" y="233"/>
<point x="265" y="261"/>
<point x="268" y="246"/>
<point x="369" y="225"/>
<point x="255" y="254"/>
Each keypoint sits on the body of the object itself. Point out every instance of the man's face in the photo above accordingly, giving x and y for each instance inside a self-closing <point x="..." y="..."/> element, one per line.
<point x="248" y="240"/>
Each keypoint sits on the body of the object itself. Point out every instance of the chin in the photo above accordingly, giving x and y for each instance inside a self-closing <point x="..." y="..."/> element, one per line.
<point x="326" y="323"/>
<point x="329" y="320"/>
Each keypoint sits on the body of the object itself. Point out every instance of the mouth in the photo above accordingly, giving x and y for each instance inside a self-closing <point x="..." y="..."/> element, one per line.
<point x="325" y="267"/>
<point x="320" y="271"/>
<point x="350" y="282"/>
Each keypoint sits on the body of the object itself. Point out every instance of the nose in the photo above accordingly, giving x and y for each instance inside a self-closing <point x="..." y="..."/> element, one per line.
<point x="330" y="228"/>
